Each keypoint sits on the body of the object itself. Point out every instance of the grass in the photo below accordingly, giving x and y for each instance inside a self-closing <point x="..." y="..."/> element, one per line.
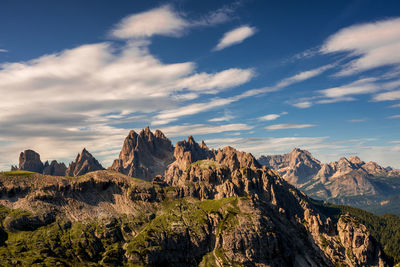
<point x="17" y="173"/>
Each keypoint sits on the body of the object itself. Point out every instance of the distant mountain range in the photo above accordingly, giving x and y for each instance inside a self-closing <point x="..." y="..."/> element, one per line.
<point x="191" y="206"/>
<point x="348" y="181"/>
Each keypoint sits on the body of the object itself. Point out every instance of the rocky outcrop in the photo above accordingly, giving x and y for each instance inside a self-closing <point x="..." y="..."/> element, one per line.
<point x="84" y="163"/>
<point x="144" y="155"/>
<point x="361" y="248"/>
<point x="296" y="167"/>
<point x="29" y="160"/>
<point x="54" y="168"/>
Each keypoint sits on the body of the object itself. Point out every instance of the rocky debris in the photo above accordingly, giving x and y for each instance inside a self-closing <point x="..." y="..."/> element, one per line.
<point x="296" y="167"/>
<point x="29" y="160"/>
<point x="54" y="168"/>
<point x="144" y="155"/>
<point x="84" y="163"/>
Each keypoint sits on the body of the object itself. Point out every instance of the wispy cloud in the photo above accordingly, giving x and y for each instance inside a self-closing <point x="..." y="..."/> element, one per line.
<point x="170" y="115"/>
<point x="358" y="120"/>
<point x="394" y="117"/>
<point x="235" y="36"/>
<point x="363" y="86"/>
<point x="393" y="95"/>
<point x="288" y="126"/>
<point x="226" y="117"/>
<point x="374" y="44"/>
<point x="395" y="106"/>
<point x="271" y="117"/>
<point x="203" y="129"/>
<point x="3" y="50"/>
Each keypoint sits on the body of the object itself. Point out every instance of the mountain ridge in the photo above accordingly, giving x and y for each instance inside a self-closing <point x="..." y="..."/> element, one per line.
<point x="211" y="205"/>
<point x="348" y="181"/>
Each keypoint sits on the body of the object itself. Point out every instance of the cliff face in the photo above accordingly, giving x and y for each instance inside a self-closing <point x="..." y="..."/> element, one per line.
<point x="144" y="155"/>
<point x="29" y="160"/>
<point x="84" y="163"/>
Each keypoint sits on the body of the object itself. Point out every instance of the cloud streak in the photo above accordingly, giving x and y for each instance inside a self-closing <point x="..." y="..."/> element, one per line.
<point x="235" y="36"/>
<point x="285" y="126"/>
<point x="374" y="45"/>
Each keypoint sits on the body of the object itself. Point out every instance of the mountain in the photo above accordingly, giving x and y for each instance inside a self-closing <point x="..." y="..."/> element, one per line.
<point x="297" y="167"/>
<point x="84" y="163"/>
<point x="144" y="155"/>
<point x="29" y="160"/>
<point x="346" y="181"/>
<point x="209" y="208"/>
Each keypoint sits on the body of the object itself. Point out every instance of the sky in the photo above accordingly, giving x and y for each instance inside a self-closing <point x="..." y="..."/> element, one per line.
<point x="261" y="76"/>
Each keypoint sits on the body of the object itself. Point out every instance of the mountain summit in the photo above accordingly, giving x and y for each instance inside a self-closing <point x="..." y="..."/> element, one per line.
<point x="296" y="167"/>
<point x="144" y="155"/>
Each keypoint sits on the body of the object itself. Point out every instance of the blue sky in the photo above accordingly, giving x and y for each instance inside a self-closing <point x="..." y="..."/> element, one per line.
<point x="262" y="76"/>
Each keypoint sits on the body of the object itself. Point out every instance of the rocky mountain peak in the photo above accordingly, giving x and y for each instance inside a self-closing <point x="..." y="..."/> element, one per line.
<point x="356" y="160"/>
<point x="297" y="167"/>
<point x="144" y="155"/>
<point x="29" y="160"/>
<point x="203" y="145"/>
<point x="84" y="163"/>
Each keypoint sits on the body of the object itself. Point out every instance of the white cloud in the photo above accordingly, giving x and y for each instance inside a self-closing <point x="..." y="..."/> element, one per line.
<point x="226" y="117"/>
<point x="393" y="95"/>
<point x="288" y="126"/>
<point x="269" y="117"/>
<point x="303" y="104"/>
<point x="302" y="76"/>
<point x="159" y="21"/>
<point x="375" y="44"/>
<point x="169" y="115"/>
<point x="213" y="83"/>
<point x="235" y="36"/>
<point x="394" y="117"/>
<point x="3" y="50"/>
<point x="363" y="86"/>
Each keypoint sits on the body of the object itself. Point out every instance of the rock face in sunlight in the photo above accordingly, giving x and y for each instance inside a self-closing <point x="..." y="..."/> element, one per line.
<point x="349" y="181"/>
<point x="297" y="167"/>
<point x="29" y="160"/>
<point x="84" y="163"/>
<point x="208" y="208"/>
<point x="144" y="155"/>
